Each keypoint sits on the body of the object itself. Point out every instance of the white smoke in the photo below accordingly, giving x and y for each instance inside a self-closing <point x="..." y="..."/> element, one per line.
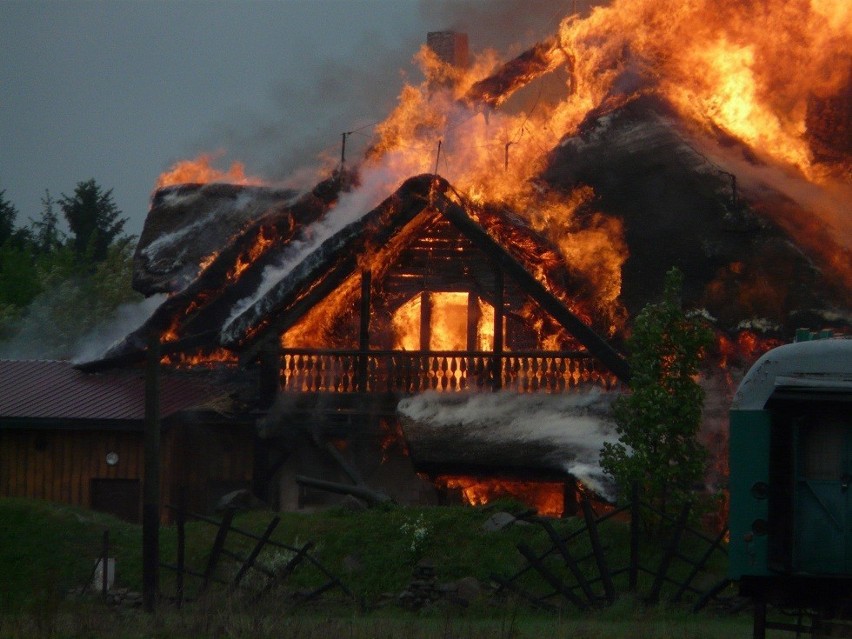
<point x="126" y="319"/>
<point x="57" y="326"/>
<point x="570" y="427"/>
<point x="376" y="184"/>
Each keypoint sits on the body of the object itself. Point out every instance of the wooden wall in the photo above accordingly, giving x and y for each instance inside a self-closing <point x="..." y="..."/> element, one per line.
<point x="59" y="465"/>
<point x="206" y="461"/>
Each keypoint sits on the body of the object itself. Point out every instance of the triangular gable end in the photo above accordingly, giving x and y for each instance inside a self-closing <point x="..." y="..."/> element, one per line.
<point x="339" y="257"/>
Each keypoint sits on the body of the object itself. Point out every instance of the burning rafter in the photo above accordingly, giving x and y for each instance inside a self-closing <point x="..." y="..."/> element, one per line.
<point x="544" y="57"/>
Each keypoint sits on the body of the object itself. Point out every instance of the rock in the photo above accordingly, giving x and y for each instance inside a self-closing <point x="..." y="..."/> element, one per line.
<point x="498" y="521"/>
<point x="352" y="504"/>
<point x="468" y="589"/>
<point x="237" y="500"/>
<point x="352" y="563"/>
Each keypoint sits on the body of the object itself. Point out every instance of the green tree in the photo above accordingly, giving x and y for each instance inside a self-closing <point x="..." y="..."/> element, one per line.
<point x="18" y="280"/>
<point x="658" y="420"/>
<point x="94" y="220"/>
<point x="8" y="213"/>
<point x="72" y="306"/>
<point x="46" y="235"/>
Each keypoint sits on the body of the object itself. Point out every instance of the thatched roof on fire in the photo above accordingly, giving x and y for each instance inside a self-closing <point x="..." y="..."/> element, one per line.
<point x="294" y="271"/>
<point x="748" y="249"/>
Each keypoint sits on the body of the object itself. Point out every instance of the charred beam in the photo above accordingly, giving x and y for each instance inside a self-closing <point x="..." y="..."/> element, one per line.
<point x="364" y="333"/>
<point x="137" y="354"/>
<point x="473" y="314"/>
<point x="499" y="295"/>
<point x="327" y="267"/>
<point x="544" y="57"/>
<point x="596" y="345"/>
<point x="425" y="320"/>
<point x="372" y="497"/>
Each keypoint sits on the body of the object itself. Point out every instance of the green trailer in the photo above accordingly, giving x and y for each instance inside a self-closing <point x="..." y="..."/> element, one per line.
<point x="791" y="477"/>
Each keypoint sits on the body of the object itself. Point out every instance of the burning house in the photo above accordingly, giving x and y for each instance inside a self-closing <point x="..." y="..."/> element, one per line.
<point x="493" y="238"/>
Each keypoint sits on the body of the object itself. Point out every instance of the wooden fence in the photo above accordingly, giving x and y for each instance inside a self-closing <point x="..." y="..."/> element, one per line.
<point x="265" y="579"/>
<point x="577" y="569"/>
<point x="404" y="372"/>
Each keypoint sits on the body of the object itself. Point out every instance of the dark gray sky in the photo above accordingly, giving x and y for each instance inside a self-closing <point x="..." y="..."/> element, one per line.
<point x="120" y="90"/>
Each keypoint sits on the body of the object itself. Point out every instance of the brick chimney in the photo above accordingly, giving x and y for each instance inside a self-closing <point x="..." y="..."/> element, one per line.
<point x="449" y="46"/>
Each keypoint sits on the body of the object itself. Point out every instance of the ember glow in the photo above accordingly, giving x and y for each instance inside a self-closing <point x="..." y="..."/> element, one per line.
<point x="546" y="498"/>
<point x="449" y="318"/>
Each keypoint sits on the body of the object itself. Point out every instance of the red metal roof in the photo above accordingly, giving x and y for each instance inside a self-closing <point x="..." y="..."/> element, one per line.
<point x="53" y="389"/>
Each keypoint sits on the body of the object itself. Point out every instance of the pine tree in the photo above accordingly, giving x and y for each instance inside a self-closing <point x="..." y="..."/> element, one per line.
<point x="94" y="220"/>
<point x="45" y="232"/>
<point x="8" y="213"/>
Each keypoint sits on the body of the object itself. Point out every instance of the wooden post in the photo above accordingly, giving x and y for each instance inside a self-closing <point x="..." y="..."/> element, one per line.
<point x="269" y="360"/>
<point x="568" y="558"/>
<point x="218" y="545"/>
<point x="635" y="523"/>
<point x="699" y="565"/>
<point x="759" y="628"/>
<point x="181" y="545"/>
<point x="364" y="334"/>
<point x="497" y="366"/>
<point x="105" y="564"/>
<point x="151" y="490"/>
<point x="472" y="321"/>
<point x="597" y="549"/>
<point x="425" y="320"/>
<point x="550" y="578"/>
<point x="671" y="551"/>
<point x="249" y="562"/>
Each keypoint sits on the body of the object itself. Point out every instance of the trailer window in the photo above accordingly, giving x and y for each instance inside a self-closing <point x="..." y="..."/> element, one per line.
<point x="822" y="450"/>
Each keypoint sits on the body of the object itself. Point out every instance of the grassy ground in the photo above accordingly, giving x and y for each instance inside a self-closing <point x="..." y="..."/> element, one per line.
<point x="47" y="550"/>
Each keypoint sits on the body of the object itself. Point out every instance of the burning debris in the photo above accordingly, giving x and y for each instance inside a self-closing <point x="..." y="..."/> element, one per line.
<point x="525" y="436"/>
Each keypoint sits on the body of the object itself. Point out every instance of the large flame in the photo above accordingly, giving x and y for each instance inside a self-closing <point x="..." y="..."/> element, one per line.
<point x="749" y="70"/>
<point x="201" y="171"/>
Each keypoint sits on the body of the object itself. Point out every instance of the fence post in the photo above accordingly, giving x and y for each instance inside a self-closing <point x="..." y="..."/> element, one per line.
<point x="151" y="486"/>
<point x="663" y="569"/>
<point x="181" y="545"/>
<point x="597" y="548"/>
<point x="105" y="564"/>
<point x="218" y="544"/>
<point x="635" y="523"/>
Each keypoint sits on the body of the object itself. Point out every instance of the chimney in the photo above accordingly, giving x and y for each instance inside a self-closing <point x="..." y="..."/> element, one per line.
<point x="449" y="46"/>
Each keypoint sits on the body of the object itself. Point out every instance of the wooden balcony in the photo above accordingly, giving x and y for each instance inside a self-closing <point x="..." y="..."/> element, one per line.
<point x="410" y="372"/>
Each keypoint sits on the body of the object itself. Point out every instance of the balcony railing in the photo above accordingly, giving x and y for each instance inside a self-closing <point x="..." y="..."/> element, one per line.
<point x="409" y="372"/>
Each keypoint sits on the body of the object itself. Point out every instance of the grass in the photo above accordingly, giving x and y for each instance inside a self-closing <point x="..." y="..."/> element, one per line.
<point x="46" y="550"/>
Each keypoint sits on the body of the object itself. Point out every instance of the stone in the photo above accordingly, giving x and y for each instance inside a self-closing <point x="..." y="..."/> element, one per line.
<point x="468" y="589"/>
<point x="498" y="521"/>
<point x="352" y="504"/>
<point x="237" y="500"/>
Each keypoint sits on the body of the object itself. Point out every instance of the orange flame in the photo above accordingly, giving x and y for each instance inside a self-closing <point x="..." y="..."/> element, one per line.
<point x="723" y="65"/>
<point x="547" y="498"/>
<point x="201" y="171"/>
